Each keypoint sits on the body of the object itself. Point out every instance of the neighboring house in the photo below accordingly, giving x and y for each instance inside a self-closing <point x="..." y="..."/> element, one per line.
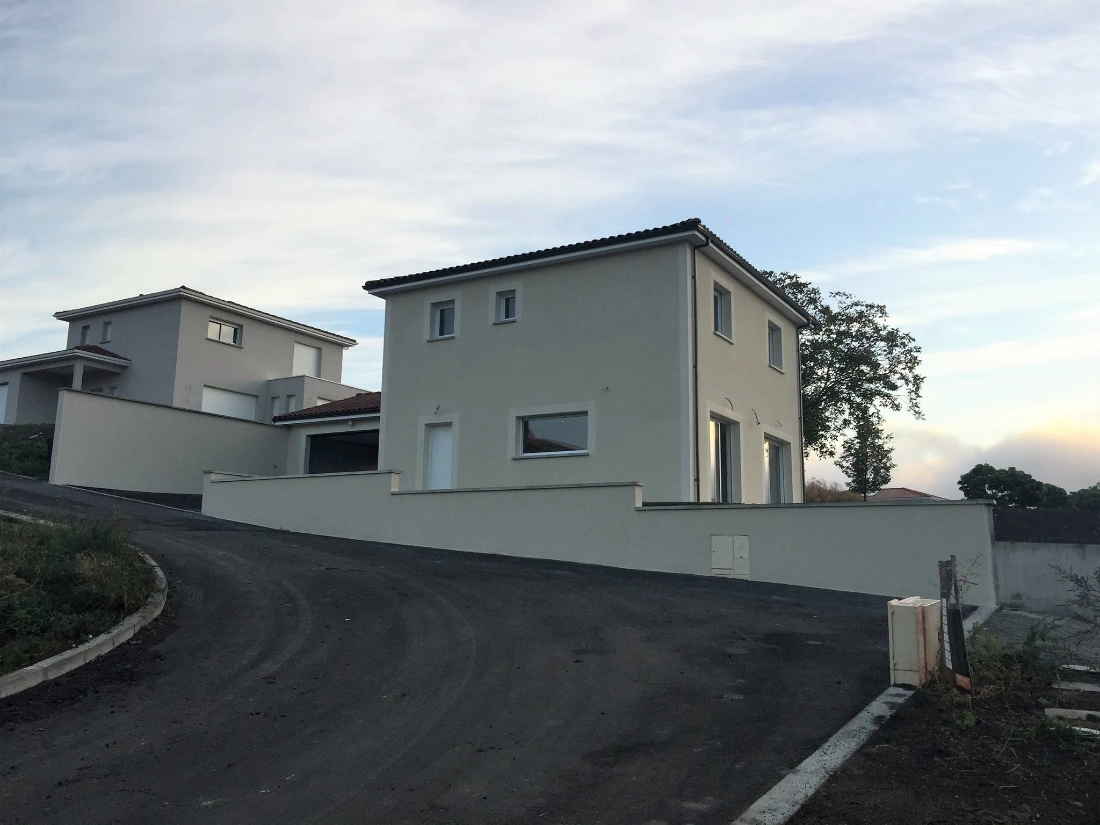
<point x="339" y="437"/>
<point x="180" y="348"/>
<point x="903" y="494"/>
<point x="660" y="356"/>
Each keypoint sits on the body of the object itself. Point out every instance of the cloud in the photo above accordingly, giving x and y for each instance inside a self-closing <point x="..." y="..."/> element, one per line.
<point x="939" y="200"/>
<point x="959" y="250"/>
<point x="1011" y="355"/>
<point x="1045" y="199"/>
<point x="931" y="460"/>
<point x="1090" y="174"/>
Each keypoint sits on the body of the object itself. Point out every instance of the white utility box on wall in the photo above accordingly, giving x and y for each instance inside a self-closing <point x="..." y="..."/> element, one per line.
<point x="914" y="640"/>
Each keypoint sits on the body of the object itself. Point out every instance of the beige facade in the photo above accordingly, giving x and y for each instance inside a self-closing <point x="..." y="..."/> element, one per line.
<point x="608" y="339"/>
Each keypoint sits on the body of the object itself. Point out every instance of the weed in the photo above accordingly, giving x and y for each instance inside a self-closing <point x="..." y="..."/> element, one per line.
<point x="61" y="584"/>
<point x="24" y="449"/>
<point x="1086" y="593"/>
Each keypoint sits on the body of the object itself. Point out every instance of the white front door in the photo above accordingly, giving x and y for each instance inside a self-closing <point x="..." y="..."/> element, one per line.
<point x="438" y="456"/>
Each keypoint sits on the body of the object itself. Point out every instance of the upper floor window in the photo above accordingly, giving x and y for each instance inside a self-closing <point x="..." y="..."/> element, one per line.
<point x="506" y="306"/>
<point x="223" y="331"/>
<point x="106" y="337"/>
<point x="443" y="320"/>
<point x="307" y="360"/>
<point x="723" y="312"/>
<point x="85" y="333"/>
<point x="775" y="345"/>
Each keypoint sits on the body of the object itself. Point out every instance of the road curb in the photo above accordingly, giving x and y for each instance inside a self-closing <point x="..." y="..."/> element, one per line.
<point x="784" y="799"/>
<point x="69" y="660"/>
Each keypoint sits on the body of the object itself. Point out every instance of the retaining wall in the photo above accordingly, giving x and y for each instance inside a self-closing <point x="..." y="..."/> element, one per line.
<point x="883" y="549"/>
<point x="118" y="444"/>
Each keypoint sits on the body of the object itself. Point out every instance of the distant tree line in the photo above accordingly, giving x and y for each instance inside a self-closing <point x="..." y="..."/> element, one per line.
<point x="1015" y="488"/>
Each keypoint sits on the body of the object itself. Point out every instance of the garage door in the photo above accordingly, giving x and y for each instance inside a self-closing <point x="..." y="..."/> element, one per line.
<point x="233" y="404"/>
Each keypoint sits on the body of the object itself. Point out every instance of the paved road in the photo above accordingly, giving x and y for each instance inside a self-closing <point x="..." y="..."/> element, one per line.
<point x="300" y="679"/>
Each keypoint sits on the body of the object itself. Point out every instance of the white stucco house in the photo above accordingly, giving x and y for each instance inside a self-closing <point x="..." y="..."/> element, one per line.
<point x="180" y="348"/>
<point x="660" y="356"/>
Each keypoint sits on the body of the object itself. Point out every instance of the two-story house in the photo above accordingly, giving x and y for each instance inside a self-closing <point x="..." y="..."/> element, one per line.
<point x="659" y="356"/>
<point x="180" y="348"/>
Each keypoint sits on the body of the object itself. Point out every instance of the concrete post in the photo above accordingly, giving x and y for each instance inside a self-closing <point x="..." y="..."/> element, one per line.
<point x="78" y="376"/>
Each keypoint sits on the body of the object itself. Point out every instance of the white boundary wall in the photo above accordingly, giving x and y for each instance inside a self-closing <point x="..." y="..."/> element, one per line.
<point x="1026" y="577"/>
<point x="117" y="444"/>
<point x="879" y="548"/>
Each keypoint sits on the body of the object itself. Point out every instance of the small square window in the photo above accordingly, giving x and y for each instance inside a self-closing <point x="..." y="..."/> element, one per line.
<point x="775" y="346"/>
<point x="443" y="320"/>
<point x="723" y="312"/>
<point x="224" y="332"/>
<point x="553" y="434"/>
<point x="506" y="306"/>
<point x="85" y="333"/>
<point x="106" y="337"/>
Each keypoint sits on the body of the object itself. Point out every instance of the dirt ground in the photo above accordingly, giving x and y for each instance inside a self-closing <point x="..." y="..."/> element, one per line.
<point x="992" y="759"/>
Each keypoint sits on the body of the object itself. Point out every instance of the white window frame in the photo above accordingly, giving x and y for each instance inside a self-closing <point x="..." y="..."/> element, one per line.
<point x="558" y="413"/>
<point x="502" y="316"/>
<point x="733" y="459"/>
<point x="775" y="345"/>
<point x="238" y="332"/>
<point x="105" y="338"/>
<point x="786" y="492"/>
<point x="85" y="334"/>
<point x="435" y="311"/>
<point x="722" y="311"/>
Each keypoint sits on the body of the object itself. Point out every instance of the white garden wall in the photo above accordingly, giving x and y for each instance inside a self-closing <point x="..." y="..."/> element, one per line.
<point x="884" y="549"/>
<point x="117" y="444"/>
<point x="1027" y="578"/>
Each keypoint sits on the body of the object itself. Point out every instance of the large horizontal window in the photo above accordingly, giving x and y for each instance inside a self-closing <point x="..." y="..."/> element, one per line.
<point x="553" y="434"/>
<point x="223" y="331"/>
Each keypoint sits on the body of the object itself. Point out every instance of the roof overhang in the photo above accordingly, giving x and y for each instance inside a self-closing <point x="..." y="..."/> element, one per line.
<point x="184" y="293"/>
<point x="324" y="419"/>
<point x="48" y="360"/>
<point x="382" y="291"/>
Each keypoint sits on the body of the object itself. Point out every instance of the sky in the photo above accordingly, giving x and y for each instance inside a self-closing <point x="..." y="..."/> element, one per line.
<point x="941" y="158"/>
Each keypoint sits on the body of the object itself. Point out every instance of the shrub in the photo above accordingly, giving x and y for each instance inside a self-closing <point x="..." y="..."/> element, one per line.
<point x="819" y="492"/>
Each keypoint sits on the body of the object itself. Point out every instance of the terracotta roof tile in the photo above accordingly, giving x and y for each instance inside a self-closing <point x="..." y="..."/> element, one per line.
<point x="901" y="492"/>
<point x="365" y="403"/>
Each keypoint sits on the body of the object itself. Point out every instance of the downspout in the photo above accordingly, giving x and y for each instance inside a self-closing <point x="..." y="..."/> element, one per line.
<point x="695" y="360"/>
<point x="801" y="436"/>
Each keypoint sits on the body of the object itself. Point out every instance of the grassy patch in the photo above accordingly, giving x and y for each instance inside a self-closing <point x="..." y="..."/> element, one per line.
<point x="24" y="450"/>
<point x="61" y="584"/>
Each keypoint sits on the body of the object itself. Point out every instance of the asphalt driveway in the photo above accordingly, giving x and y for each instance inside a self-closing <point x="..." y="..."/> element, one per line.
<point x="299" y="679"/>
